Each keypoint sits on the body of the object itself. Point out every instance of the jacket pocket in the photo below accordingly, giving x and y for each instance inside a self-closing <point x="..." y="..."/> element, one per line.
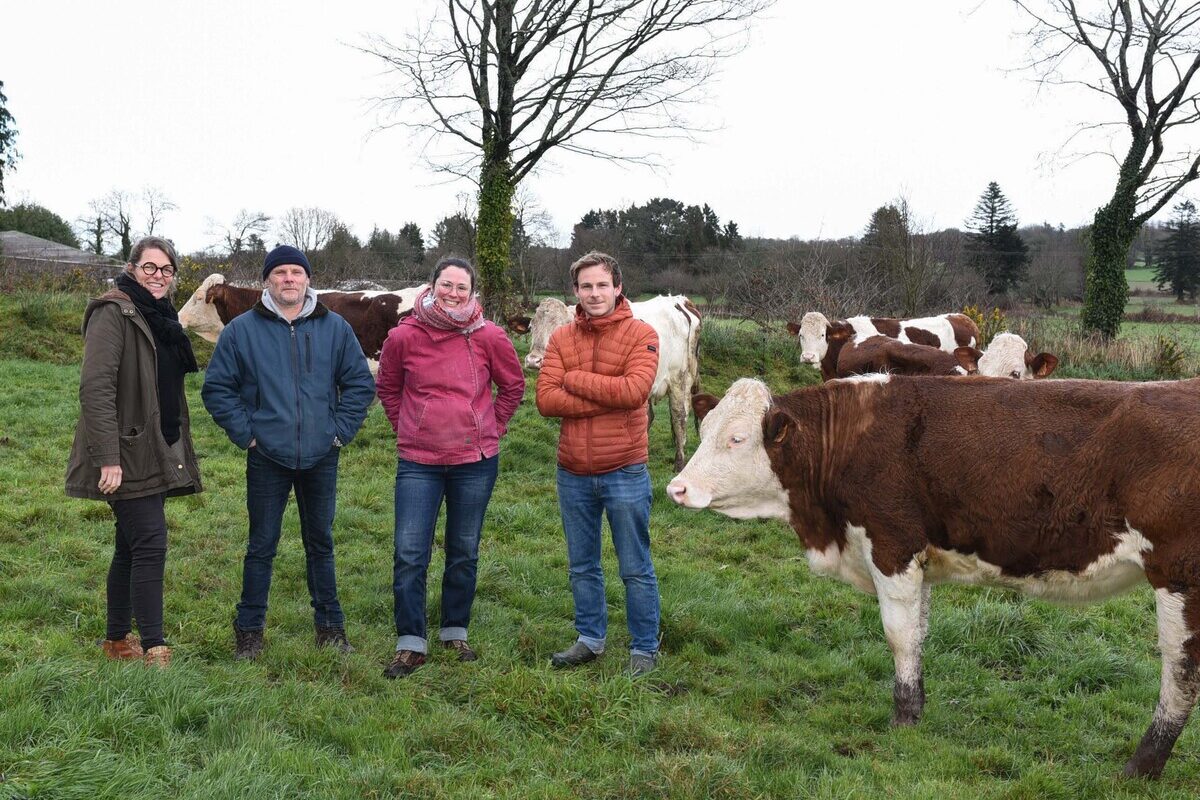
<point x="138" y="459"/>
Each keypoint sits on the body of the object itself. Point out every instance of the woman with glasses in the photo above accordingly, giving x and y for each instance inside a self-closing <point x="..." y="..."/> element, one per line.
<point x="435" y="382"/>
<point x="133" y="444"/>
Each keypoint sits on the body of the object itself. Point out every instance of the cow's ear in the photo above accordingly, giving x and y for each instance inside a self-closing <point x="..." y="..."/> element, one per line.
<point x="1042" y="364"/>
<point x="519" y="324"/>
<point x="968" y="359"/>
<point x="839" y="331"/>
<point x="793" y="328"/>
<point x="704" y="403"/>
<point x="776" y="425"/>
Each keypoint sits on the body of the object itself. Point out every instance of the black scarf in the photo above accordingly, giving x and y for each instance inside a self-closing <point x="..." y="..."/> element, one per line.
<point x="163" y="320"/>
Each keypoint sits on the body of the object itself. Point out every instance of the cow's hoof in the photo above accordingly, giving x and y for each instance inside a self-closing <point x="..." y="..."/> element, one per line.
<point x="1141" y="768"/>
<point x="905" y="720"/>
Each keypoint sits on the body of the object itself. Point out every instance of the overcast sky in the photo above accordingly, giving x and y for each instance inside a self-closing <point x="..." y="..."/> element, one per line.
<point x="831" y="111"/>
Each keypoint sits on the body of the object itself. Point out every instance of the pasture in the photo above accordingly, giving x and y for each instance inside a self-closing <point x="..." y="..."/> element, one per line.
<point x="772" y="683"/>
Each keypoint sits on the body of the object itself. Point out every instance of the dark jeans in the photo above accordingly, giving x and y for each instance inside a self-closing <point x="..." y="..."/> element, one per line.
<point x="467" y="488"/>
<point x="268" y="485"/>
<point x="135" y="577"/>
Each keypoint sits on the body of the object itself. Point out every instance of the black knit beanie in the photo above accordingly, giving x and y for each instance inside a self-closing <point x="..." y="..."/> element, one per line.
<point x="285" y="254"/>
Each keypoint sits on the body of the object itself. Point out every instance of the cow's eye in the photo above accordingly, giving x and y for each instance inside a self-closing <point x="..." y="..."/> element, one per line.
<point x="736" y="439"/>
<point x="1014" y="374"/>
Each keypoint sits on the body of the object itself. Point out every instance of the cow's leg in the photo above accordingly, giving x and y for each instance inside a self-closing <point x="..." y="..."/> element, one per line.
<point x="904" y="606"/>
<point x="1179" y="642"/>
<point x="679" y="399"/>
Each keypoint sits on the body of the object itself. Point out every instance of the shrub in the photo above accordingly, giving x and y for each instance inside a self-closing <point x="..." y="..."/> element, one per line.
<point x="989" y="323"/>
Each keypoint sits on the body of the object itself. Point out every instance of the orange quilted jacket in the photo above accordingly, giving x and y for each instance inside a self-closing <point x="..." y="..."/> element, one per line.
<point x="597" y="376"/>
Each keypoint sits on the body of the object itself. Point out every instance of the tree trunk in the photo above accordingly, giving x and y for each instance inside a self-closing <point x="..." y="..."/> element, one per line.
<point x="1113" y="230"/>
<point x="493" y="233"/>
<point x="1106" y="290"/>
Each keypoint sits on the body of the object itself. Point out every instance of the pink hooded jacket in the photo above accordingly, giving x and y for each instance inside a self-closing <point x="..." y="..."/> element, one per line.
<point x="436" y="389"/>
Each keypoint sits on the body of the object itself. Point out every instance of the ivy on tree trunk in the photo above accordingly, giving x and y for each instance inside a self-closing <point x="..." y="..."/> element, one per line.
<point x="493" y="235"/>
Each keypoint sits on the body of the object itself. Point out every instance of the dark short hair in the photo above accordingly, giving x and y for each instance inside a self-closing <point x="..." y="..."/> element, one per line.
<point x="154" y="243"/>
<point x="452" y="261"/>
<point x="596" y="259"/>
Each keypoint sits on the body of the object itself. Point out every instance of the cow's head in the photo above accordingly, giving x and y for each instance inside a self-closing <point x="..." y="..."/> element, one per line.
<point x="812" y="330"/>
<point x="551" y="314"/>
<point x="730" y="471"/>
<point x="199" y="315"/>
<point x="1008" y="357"/>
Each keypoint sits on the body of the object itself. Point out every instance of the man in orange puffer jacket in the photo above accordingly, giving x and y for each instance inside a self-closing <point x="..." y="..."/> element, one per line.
<point x="597" y="376"/>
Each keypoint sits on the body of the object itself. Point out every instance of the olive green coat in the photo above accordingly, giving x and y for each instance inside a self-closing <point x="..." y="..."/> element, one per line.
<point x="118" y="410"/>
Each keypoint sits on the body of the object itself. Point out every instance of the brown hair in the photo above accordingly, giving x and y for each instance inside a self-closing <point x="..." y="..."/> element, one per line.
<point x="452" y="261"/>
<point x="596" y="259"/>
<point x="154" y="243"/>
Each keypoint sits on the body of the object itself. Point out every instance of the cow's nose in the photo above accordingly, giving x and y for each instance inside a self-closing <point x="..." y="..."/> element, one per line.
<point x="676" y="491"/>
<point x="533" y="362"/>
<point x="808" y="358"/>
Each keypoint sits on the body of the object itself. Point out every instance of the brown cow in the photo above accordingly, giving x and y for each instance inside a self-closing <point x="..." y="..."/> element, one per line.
<point x="1006" y="357"/>
<point x="821" y="340"/>
<point x="1067" y="490"/>
<point x="370" y="314"/>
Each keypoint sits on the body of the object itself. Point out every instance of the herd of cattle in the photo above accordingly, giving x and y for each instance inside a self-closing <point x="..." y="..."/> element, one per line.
<point x="897" y="473"/>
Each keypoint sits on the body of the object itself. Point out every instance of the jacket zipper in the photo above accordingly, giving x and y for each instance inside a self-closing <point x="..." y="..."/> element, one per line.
<point x="471" y="399"/>
<point x="296" y="383"/>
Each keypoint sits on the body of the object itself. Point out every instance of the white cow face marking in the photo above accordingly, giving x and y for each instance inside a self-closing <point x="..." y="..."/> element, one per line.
<point x="813" y="344"/>
<point x="200" y="316"/>
<point x="1008" y="357"/>
<point x="730" y="471"/>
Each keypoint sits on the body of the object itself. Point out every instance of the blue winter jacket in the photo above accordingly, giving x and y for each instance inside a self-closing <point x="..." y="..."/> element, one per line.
<point x="297" y="388"/>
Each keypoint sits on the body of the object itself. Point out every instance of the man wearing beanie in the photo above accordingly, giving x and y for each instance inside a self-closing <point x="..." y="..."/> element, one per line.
<point x="290" y="385"/>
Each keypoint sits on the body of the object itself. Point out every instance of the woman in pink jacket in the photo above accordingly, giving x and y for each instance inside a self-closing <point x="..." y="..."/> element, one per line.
<point x="435" y="382"/>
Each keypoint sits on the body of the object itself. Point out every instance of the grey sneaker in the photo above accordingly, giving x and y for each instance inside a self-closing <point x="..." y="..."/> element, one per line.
<point x="573" y="656"/>
<point x="640" y="664"/>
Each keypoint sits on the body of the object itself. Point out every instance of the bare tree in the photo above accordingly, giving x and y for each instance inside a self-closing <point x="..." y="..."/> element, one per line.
<point x="235" y="238"/>
<point x="308" y="229"/>
<point x="157" y="205"/>
<point x="507" y="81"/>
<point x="115" y="212"/>
<point x="533" y="229"/>
<point x="1143" y="55"/>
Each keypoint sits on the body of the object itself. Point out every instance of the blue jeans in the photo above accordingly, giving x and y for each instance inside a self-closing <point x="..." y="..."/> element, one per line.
<point x="420" y="488"/>
<point x="624" y="496"/>
<point x="268" y="485"/>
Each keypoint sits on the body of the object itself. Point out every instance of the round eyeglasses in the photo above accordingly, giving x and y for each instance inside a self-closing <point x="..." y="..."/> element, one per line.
<point x="150" y="268"/>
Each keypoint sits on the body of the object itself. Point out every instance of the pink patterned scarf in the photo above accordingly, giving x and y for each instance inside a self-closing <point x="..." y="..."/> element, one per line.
<point x="467" y="319"/>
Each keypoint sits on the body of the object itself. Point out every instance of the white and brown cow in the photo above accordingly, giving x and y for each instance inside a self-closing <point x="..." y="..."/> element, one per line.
<point x="1007" y="357"/>
<point x="1067" y="490"/>
<point x="822" y="340"/>
<point x="677" y="322"/>
<point x="370" y="314"/>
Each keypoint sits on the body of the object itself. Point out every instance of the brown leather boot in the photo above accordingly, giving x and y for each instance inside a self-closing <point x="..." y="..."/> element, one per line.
<point x="127" y="649"/>
<point x="159" y="657"/>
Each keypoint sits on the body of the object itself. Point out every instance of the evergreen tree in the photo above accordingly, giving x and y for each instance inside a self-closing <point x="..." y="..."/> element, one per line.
<point x="1178" y="264"/>
<point x="411" y="241"/>
<point x="994" y="247"/>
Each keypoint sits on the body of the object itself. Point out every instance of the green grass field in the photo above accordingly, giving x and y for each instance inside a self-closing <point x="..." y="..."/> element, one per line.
<point x="772" y="683"/>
